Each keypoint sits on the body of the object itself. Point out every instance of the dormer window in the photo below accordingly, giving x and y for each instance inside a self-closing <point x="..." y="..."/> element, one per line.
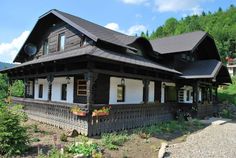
<point x="61" y="41"/>
<point x="45" y="47"/>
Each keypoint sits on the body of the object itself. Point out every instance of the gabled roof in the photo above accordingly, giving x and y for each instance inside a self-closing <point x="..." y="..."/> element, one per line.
<point x="180" y="43"/>
<point x="90" y="29"/>
<point x="99" y="53"/>
<point x="201" y="69"/>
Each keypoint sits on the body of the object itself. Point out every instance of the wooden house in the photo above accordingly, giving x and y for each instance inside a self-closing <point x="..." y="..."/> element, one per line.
<point x="69" y="61"/>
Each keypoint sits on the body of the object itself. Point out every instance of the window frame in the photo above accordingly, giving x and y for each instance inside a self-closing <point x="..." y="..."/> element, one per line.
<point x="40" y="91"/>
<point x="64" y="93"/>
<point x="122" y="98"/>
<point x="81" y="91"/>
<point x="30" y="88"/>
<point x="59" y="44"/>
<point x="45" y="47"/>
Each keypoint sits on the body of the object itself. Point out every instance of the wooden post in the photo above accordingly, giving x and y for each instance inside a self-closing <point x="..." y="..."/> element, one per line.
<point x="90" y="77"/>
<point x="195" y="93"/>
<point x="145" y="90"/>
<point x="50" y="79"/>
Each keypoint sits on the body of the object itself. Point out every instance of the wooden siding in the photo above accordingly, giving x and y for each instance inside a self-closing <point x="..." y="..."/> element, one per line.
<point x="101" y="89"/>
<point x="72" y="38"/>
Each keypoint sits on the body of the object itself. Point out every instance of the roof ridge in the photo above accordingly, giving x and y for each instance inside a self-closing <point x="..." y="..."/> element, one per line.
<point x="112" y="31"/>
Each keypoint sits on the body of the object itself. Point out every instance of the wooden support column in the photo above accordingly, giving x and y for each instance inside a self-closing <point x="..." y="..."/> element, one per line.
<point x="90" y="77"/>
<point x="195" y="92"/>
<point x="145" y="90"/>
<point x="50" y="79"/>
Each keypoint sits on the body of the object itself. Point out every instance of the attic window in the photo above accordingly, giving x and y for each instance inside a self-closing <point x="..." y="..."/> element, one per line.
<point x="45" y="47"/>
<point x="61" y="41"/>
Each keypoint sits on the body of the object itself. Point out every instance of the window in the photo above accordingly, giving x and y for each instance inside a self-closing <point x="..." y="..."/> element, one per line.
<point x="40" y="91"/>
<point x="45" y="47"/>
<point x="120" y="93"/>
<point x="63" y="91"/>
<point x="61" y="42"/>
<point x="188" y="95"/>
<point x="29" y="88"/>
<point x="81" y="88"/>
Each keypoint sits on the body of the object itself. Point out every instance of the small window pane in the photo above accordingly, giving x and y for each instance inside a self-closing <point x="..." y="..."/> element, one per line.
<point x="40" y="91"/>
<point x="61" y="42"/>
<point x="81" y="88"/>
<point x="63" y="91"/>
<point x="45" y="47"/>
<point x="120" y="93"/>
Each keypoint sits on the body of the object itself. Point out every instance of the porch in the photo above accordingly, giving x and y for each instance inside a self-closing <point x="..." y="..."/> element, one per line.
<point x="121" y="117"/>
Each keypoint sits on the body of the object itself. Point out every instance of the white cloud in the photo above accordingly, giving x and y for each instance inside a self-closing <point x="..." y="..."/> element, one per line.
<point x="180" y="5"/>
<point x="9" y="50"/>
<point x="134" y="1"/>
<point x="135" y="29"/>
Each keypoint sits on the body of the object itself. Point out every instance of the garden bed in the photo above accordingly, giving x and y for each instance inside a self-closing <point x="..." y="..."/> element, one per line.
<point x="142" y="142"/>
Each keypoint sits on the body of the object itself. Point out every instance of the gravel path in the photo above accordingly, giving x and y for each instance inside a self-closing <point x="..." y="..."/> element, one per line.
<point x="215" y="141"/>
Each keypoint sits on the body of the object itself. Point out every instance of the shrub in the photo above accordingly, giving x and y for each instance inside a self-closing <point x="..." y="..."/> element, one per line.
<point x="226" y="113"/>
<point x="13" y="137"/>
<point x="85" y="148"/>
<point x="63" y="137"/>
<point x="113" y="140"/>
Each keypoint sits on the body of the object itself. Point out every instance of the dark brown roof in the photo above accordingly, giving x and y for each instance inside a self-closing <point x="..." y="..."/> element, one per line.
<point x="180" y="43"/>
<point x="201" y="69"/>
<point x="100" y="53"/>
<point x="96" y="31"/>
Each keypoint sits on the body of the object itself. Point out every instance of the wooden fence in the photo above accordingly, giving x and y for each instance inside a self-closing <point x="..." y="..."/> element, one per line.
<point x="121" y="117"/>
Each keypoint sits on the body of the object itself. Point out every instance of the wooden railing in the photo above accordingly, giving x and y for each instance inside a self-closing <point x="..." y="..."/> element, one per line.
<point x="124" y="117"/>
<point x="121" y="117"/>
<point x="53" y="113"/>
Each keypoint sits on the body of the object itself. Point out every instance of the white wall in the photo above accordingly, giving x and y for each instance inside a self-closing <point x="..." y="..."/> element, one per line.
<point x="133" y="91"/>
<point x="44" y="82"/>
<point x="151" y="92"/>
<point x="56" y="89"/>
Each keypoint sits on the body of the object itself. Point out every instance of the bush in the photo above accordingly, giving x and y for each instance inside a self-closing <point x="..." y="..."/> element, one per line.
<point x="85" y="148"/>
<point x="228" y="94"/>
<point x="113" y="140"/>
<point x="13" y="137"/>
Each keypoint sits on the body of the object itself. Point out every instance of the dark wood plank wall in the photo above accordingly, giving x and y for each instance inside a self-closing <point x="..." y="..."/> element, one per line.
<point x="157" y="91"/>
<point x="102" y="89"/>
<point x="72" y="38"/>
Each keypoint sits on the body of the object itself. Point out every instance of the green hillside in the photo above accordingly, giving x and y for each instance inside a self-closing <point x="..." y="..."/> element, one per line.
<point x="221" y="25"/>
<point x="5" y="65"/>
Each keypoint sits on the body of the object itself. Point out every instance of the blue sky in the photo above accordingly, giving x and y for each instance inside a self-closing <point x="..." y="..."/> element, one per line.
<point x="127" y="16"/>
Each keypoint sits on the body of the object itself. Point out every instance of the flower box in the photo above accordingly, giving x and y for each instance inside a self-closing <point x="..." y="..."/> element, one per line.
<point x="100" y="114"/>
<point x="79" y="113"/>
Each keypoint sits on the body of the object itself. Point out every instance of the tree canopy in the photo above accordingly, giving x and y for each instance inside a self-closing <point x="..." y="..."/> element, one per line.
<point x="221" y="25"/>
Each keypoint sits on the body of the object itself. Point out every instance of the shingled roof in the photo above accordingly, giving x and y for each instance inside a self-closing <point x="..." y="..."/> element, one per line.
<point x="201" y="69"/>
<point x="99" y="53"/>
<point x="180" y="43"/>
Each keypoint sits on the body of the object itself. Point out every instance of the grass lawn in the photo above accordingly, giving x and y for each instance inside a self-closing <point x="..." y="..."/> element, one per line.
<point x="228" y="94"/>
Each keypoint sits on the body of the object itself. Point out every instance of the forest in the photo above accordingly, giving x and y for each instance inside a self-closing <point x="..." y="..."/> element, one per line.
<point x="221" y="25"/>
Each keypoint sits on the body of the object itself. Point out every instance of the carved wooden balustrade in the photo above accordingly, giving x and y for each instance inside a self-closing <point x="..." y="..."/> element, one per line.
<point x="54" y="113"/>
<point x="121" y="117"/>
